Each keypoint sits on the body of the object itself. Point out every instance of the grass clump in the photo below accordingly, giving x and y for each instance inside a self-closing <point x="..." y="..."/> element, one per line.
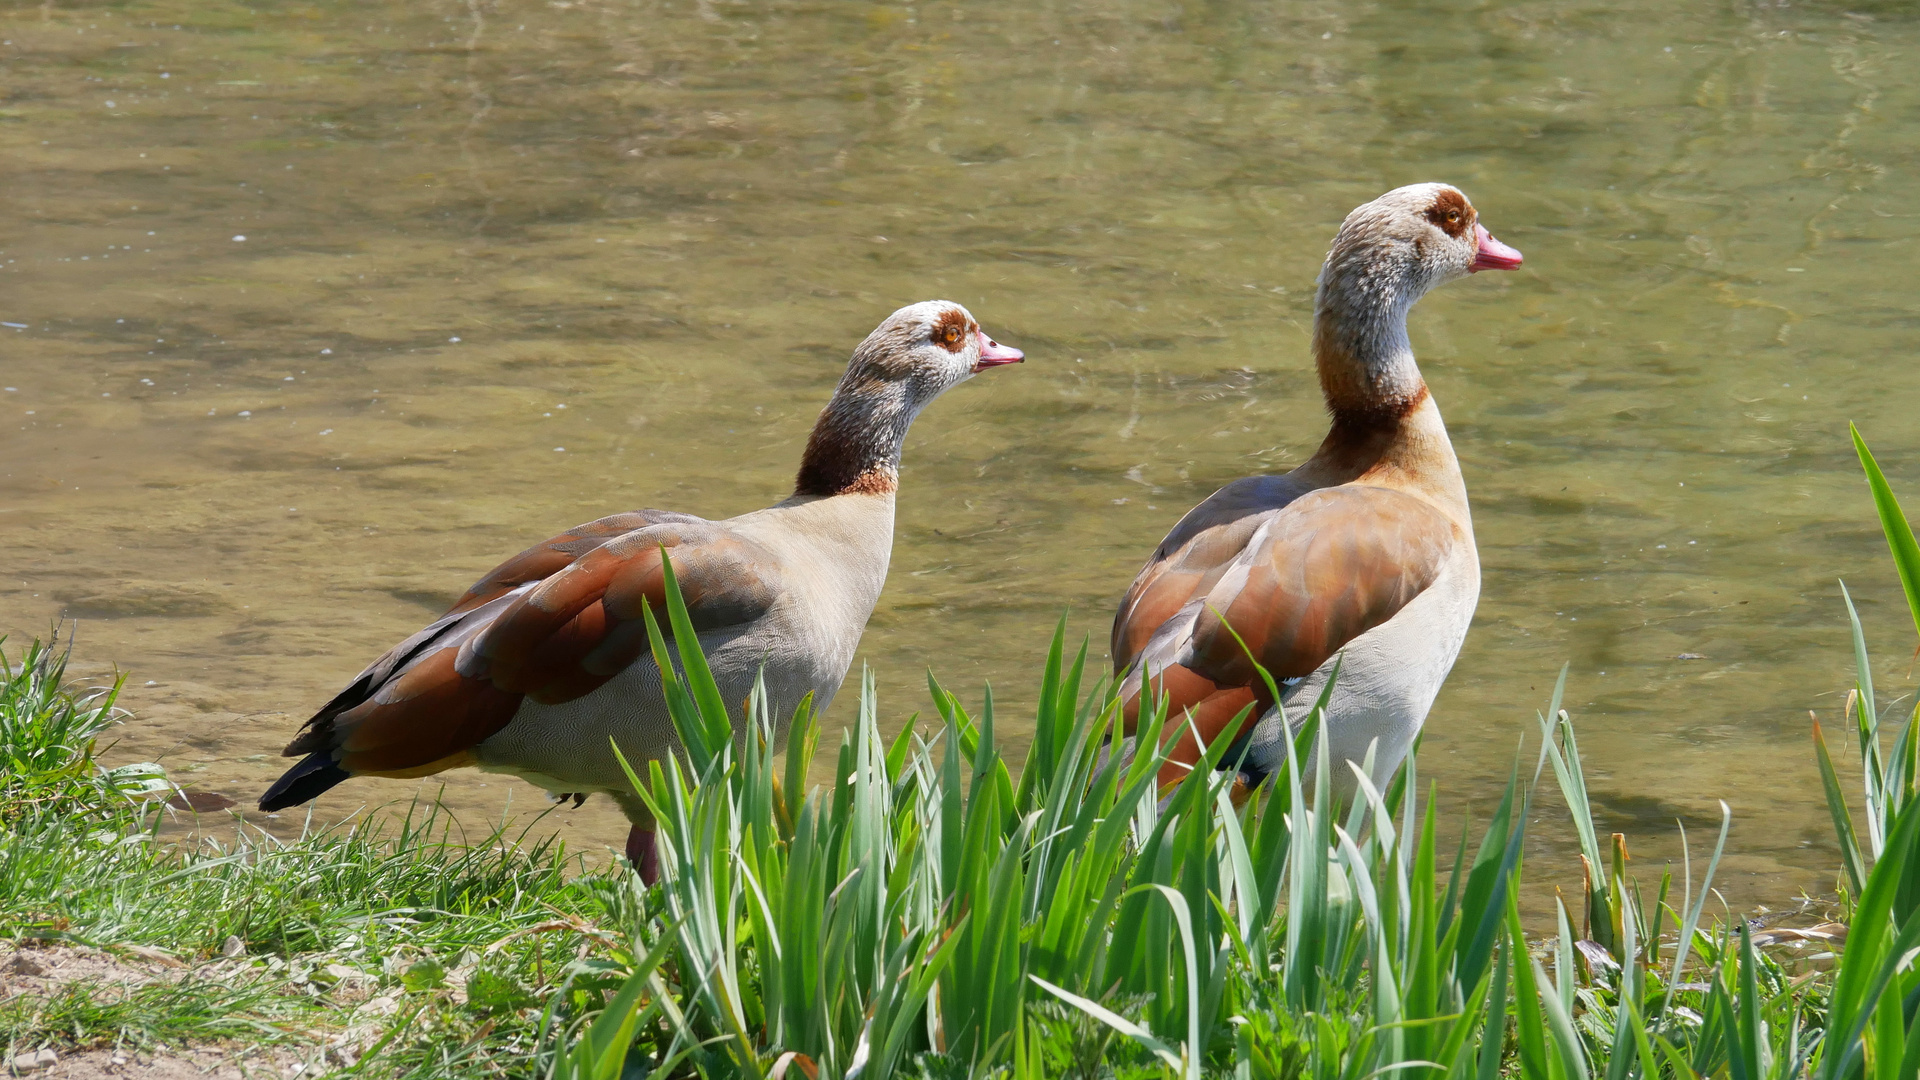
<point x="395" y="947"/>
<point x="936" y="913"/>
<point x="928" y="915"/>
<point x="397" y="936"/>
<point x="48" y="735"/>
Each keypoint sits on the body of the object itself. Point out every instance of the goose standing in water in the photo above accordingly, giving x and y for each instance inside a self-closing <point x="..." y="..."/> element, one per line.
<point x="1362" y="556"/>
<point x="546" y="658"/>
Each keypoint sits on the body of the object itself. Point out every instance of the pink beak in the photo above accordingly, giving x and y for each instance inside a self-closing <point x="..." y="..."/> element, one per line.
<point x="993" y="354"/>
<point x="1492" y="255"/>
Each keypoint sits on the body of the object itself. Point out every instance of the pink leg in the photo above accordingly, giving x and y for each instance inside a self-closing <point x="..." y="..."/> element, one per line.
<point x="644" y="854"/>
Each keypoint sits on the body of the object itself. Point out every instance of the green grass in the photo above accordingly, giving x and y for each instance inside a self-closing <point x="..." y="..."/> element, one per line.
<point x="929" y="916"/>
<point x="189" y="1011"/>
<point x="439" y="954"/>
<point x="47" y="740"/>
<point x="936" y="912"/>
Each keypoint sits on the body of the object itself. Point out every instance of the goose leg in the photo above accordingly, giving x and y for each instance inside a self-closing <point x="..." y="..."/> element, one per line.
<point x="643" y="853"/>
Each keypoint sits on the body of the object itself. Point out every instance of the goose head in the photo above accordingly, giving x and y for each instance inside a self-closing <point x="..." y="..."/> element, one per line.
<point x="1395" y="249"/>
<point x="923" y="350"/>
<point x="1388" y="254"/>
<point x="916" y="354"/>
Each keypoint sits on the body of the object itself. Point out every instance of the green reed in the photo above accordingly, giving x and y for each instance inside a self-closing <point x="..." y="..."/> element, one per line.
<point x="928" y="915"/>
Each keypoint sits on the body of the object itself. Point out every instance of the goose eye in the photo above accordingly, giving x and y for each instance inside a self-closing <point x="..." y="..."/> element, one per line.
<point x="950" y="332"/>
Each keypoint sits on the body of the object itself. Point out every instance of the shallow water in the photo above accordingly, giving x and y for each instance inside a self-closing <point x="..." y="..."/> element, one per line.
<point x="649" y="233"/>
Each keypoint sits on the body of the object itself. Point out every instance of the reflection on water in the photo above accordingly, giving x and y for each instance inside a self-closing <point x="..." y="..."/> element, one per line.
<point x="315" y="313"/>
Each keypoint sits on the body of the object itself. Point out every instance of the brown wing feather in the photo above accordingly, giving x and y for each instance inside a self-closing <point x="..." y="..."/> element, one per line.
<point x="1208" y="709"/>
<point x="384" y="736"/>
<point x="427" y="702"/>
<point x="534" y="564"/>
<point x="550" y="642"/>
<point x="1333" y="565"/>
<point x="1193" y="556"/>
<point x="1301" y="583"/>
<point x="545" y="559"/>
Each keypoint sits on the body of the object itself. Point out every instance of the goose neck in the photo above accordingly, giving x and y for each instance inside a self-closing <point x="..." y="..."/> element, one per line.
<point x="1360" y="346"/>
<point x="856" y="444"/>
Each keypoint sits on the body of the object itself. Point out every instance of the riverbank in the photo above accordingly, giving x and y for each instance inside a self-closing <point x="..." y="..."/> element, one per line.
<point x="936" y="912"/>
<point x="395" y="950"/>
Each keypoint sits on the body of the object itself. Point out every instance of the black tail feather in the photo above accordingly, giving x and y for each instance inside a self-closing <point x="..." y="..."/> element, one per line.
<point x="316" y="773"/>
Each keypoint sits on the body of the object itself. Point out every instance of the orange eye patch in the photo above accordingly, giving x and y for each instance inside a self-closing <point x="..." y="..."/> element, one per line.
<point x="950" y="333"/>
<point x="1451" y="213"/>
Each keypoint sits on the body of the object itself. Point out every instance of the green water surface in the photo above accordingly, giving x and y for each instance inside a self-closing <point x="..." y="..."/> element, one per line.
<point x="509" y="266"/>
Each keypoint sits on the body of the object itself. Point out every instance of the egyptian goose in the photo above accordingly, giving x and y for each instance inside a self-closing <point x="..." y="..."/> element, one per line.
<point x="546" y="657"/>
<point x="1363" y="555"/>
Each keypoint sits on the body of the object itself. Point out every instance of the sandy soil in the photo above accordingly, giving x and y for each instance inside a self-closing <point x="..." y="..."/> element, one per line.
<point x="39" y="970"/>
<point x="223" y="1062"/>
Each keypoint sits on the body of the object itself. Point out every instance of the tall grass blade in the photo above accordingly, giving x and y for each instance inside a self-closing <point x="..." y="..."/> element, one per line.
<point x="1842" y="818"/>
<point x="1690" y="922"/>
<point x="1877" y="948"/>
<point x="1893" y="522"/>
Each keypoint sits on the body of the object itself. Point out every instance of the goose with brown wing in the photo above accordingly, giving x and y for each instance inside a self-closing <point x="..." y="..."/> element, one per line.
<point x="1363" y="556"/>
<point x="545" y="659"/>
